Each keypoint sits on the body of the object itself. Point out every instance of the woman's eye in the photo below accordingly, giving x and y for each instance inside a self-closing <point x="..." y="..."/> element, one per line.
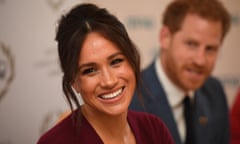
<point x="88" y="71"/>
<point x="116" y="61"/>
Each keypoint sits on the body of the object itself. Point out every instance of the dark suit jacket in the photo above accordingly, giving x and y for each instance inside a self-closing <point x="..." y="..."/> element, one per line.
<point x="211" y="111"/>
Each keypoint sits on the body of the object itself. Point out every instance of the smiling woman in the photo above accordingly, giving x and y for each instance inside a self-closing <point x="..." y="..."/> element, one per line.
<point x="106" y="79"/>
<point x="100" y="62"/>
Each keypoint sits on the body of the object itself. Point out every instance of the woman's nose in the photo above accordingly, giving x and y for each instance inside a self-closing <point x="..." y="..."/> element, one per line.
<point x="108" y="78"/>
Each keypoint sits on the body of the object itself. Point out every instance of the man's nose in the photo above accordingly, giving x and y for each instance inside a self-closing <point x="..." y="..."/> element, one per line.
<point x="200" y="57"/>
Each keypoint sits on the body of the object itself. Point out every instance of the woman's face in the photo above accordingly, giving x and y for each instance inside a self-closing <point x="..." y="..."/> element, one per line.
<point x="106" y="80"/>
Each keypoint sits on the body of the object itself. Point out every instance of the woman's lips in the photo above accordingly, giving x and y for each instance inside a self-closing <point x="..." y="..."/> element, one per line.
<point x="112" y="95"/>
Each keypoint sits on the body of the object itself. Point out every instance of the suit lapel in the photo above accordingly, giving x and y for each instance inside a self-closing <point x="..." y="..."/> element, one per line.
<point x="158" y="102"/>
<point x="202" y="118"/>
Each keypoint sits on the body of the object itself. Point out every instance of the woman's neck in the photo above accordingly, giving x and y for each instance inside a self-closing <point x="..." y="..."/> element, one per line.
<point x="111" y="129"/>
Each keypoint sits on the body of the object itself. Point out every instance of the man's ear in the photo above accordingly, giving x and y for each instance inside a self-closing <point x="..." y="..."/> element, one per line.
<point x="165" y="37"/>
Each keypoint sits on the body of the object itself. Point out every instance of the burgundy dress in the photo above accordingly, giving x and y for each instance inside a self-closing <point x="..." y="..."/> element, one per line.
<point x="235" y="120"/>
<point x="147" y="129"/>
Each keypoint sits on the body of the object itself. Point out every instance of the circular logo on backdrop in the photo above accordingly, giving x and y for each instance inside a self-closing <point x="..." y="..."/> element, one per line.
<point x="6" y="69"/>
<point x="55" y="4"/>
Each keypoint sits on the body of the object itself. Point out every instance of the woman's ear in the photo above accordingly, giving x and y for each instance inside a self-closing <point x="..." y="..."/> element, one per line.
<point x="75" y="85"/>
<point x="165" y="37"/>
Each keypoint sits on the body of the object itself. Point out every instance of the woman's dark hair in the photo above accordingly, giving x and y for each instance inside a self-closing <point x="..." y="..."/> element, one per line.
<point x="71" y="33"/>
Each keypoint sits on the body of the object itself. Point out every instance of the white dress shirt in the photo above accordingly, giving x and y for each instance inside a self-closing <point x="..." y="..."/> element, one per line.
<point x="175" y="97"/>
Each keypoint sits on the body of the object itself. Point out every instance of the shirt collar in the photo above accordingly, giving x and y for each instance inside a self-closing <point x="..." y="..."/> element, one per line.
<point x="174" y="94"/>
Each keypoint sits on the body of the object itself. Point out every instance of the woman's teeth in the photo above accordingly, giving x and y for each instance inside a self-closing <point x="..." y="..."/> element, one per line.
<point x="112" y="95"/>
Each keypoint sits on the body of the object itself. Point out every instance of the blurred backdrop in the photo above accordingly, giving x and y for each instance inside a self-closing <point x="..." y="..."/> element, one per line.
<point x="31" y="98"/>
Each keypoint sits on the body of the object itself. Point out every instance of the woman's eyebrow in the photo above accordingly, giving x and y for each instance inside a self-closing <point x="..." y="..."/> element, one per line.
<point x="92" y="63"/>
<point x="86" y="65"/>
<point x="115" y="54"/>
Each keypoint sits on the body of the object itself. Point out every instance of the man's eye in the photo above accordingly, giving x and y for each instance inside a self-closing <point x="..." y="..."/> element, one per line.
<point x="211" y="49"/>
<point x="88" y="71"/>
<point x="191" y="43"/>
<point x="116" y="61"/>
